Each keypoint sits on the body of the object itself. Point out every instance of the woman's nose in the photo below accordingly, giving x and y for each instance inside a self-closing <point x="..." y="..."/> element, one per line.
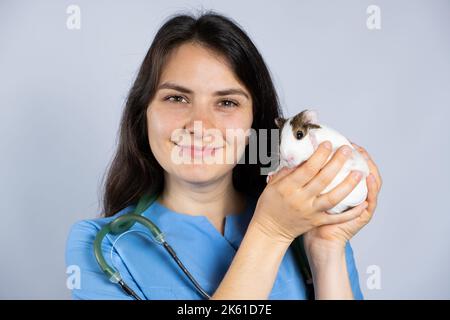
<point x="199" y="120"/>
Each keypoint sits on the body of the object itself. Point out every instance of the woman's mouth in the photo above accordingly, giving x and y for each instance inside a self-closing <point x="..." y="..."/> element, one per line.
<point x="198" y="151"/>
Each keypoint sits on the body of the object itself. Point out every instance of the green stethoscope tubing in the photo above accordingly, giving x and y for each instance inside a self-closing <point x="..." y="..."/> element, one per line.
<point x="122" y="224"/>
<point x="126" y="221"/>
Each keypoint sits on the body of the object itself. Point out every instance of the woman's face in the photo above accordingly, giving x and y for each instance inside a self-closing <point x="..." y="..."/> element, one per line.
<point x="199" y="103"/>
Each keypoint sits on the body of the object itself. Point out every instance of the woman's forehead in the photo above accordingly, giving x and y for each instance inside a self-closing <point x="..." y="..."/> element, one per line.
<point x="198" y="68"/>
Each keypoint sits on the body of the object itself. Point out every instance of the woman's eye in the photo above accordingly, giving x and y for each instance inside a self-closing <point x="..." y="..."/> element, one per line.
<point x="176" y="99"/>
<point x="229" y="103"/>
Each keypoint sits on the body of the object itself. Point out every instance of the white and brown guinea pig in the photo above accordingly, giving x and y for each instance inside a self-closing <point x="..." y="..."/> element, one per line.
<point x="299" y="138"/>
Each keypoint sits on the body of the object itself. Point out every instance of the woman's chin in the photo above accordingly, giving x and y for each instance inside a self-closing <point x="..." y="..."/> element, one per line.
<point x="198" y="172"/>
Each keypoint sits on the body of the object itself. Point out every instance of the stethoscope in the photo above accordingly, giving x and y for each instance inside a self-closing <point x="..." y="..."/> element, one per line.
<point x="121" y="224"/>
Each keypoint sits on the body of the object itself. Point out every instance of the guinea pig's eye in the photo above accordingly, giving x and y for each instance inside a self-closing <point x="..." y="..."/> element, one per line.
<point x="299" y="134"/>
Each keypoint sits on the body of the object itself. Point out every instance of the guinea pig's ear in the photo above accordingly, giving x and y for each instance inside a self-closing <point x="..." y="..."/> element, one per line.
<point x="311" y="116"/>
<point x="280" y="122"/>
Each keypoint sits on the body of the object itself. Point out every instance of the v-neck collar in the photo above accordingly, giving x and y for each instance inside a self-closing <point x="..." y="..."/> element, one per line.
<point x="235" y="224"/>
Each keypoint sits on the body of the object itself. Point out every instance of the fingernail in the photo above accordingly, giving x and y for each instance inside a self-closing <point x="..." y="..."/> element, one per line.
<point x="327" y="145"/>
<point x="346" y="150"/>
<point x="356" y="175"/>
<point x="371" y="178"/>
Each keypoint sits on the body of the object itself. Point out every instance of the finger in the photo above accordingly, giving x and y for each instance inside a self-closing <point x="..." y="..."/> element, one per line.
<point x="372" y="194"/>
<point x="372" y="166"/>
<point x="345" y="216"/>
<point x="330" y="199"/>
<point x="329" y="172"/>
<point x="362" y="151"/>
<point x="374" y="170"/>
<point x="306" y="171"/>
<point x="367" y="215"/>
<point x="280" y="174"/>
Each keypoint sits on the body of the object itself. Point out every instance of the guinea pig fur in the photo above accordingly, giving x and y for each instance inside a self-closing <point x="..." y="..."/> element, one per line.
<point x="300" y="136"/>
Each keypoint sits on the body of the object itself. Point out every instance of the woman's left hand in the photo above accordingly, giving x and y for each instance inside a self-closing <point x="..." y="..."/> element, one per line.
<point x="335" y="236"/>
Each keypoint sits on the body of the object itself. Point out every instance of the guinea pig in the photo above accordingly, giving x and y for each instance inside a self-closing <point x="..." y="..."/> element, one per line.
<point x="299" y="138"/>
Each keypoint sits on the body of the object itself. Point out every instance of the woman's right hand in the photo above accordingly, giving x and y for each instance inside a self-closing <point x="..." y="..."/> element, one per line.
<point x="291" y="203"/>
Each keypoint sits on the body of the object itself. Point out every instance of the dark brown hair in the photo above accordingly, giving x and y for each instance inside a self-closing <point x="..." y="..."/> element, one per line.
<point x="134" y="170"/>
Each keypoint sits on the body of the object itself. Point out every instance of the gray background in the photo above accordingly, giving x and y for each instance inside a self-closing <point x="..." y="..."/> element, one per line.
<point x="62" y="93"/>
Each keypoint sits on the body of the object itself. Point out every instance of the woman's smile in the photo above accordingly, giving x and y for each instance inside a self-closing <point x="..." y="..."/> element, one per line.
<point x="197" y="150"/>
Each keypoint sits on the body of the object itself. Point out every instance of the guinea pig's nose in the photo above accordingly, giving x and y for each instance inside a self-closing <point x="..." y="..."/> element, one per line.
<point x="289" y="159"/>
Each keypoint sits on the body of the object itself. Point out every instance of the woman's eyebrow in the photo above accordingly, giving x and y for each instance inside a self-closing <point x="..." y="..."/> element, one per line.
<point x="231" y="91"/>
<point x="170" y="85"/>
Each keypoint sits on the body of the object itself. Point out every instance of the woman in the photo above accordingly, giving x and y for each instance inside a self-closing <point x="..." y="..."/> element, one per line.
<point x="231" y="229"/>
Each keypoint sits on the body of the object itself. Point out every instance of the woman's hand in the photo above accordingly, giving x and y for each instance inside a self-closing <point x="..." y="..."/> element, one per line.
<point x="336" y="235"/>
<point x="291" y="203"/>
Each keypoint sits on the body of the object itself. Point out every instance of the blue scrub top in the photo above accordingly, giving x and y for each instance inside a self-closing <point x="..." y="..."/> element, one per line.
<point x="149" y="270"/>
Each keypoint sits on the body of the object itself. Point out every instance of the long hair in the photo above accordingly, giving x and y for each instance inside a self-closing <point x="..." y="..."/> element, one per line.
<point x="134" y="171"/>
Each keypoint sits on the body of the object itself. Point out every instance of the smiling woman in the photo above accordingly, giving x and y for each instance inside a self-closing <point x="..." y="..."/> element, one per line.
<point x="205" y="71"/>
<point x="205" y="90"/>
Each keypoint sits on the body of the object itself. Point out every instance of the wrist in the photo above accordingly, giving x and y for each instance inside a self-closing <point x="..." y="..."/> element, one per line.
<point x="271" y="232"/>
<point x="267" y="237"/>
<point x="330" y="276"/>
<point x="321" y="256"/>
<point x="254" y="268"/>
